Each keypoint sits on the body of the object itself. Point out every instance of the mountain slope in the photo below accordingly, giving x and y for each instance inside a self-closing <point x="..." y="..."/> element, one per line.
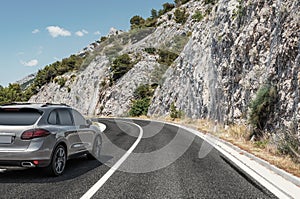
<point x="228" y="52"/>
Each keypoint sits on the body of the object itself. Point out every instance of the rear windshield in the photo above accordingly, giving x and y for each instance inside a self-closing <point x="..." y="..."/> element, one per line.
<point x="23" y="116"/>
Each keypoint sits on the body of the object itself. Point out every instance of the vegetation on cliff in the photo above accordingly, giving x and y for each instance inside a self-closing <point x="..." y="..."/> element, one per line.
<point x="14" y="92"/>
<point x="141" y="102"/>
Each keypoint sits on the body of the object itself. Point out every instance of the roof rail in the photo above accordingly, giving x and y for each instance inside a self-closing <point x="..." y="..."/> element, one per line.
<point x="53" y="104"/>
<point x="41" y="104"/>
<point x="16" y="103"/>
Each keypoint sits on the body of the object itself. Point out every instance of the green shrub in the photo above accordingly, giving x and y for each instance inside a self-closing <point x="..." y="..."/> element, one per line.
<point x="142" y="98"/>
<point x="213" y="2"/>
<point x="174" y="113"/>
<point x="168" y="7"/>
<point x="139" y="107"/>
<point x="137" y="22"/>
<point x="150" y="22"/>
<point x="181" y="16"/>
<point x="48" y="73"/>
<point x="103" y="39"/>
<point x="154" y="14"/>
<point x="143" y="91"/>
<point x="262" y="107"/>
<point x="150" y="50"/>
<point x="198" y="16"/>
<point x="11" y="93"/>
<point x="61" y="81"/>
<point x="166" y="57"/>
<point x="120" y="66"/>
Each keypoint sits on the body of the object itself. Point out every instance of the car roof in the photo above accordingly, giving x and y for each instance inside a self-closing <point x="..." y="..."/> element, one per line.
<point x="33" y="105"/>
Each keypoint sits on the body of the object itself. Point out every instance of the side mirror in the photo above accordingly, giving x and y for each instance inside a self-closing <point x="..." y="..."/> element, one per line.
<point x="89" y="122"/>
<point x="87" y="125"/>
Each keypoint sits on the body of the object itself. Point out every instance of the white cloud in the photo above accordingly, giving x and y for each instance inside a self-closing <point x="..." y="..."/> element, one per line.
<point x="30" y="63"/>
<point x="81" y="33"/>
<point x="56" y="31"/>
<point x="35" y="31"/>
<point x="97" y="33"/>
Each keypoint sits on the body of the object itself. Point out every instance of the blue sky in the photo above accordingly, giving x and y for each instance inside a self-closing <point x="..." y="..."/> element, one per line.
<point x="35" y="33"/>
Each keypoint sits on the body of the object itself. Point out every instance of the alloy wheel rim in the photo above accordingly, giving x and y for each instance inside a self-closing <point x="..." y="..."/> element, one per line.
<point x="97" y="148"/>
<point x="60" y="160"/>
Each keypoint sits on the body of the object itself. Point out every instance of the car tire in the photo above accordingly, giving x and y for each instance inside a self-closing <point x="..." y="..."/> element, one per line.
<point x="96" y="151"/>
<point x="58" y="161"/>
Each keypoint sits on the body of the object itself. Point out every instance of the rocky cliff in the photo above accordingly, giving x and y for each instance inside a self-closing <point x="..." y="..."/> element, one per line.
<point x="235" y="50"/>
<point x="227" y="50"/>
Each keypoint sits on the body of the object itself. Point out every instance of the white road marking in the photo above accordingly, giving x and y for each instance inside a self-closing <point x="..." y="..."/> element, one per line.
<point x="101" y="126"/>
<point x="108" y="174"/>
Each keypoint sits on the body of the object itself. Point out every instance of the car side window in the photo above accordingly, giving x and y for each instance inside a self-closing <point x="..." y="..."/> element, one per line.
<point x="65" y="117"/>
<point x="53" y="119"/>
<point x="78" y="118"/>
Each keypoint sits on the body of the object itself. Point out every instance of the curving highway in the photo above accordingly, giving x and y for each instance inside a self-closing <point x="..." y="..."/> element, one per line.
<point x="140" y="159"/>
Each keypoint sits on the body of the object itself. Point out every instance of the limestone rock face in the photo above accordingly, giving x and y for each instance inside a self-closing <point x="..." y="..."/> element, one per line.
<point x="231" y="54"/>
<point x="224" y="57"/>
<point x="81" y="89"/>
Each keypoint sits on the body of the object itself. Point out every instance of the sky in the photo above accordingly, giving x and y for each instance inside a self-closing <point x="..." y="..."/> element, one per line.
<point x="35" y="33"/>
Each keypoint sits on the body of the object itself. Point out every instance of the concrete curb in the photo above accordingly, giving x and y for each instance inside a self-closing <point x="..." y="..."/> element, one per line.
<point x="284" y="174"/>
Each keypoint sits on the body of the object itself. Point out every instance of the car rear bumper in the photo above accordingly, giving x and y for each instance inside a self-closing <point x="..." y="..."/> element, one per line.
<point x="23" y="163"/>
<point x="40" y="150"/>
<point x="16" y="158"/>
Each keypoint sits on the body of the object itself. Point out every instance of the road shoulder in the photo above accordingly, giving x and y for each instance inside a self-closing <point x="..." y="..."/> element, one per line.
<point x="279" y="182"/>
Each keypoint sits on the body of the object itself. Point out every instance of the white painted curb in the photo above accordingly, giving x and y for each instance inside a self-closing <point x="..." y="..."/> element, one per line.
<point x="101" y="126"/>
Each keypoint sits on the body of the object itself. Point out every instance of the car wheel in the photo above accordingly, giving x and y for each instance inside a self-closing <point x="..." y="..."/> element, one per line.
<point x="58" y="161"/>
<point x="95" y="154"/>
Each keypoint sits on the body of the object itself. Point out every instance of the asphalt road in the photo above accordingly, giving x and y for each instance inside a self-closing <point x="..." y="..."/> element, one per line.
<point x="165" y="164"/>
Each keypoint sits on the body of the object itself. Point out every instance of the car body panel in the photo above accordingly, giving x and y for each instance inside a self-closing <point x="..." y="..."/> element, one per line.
<point x="76" y="135"/>
<point x="14" y="132"/>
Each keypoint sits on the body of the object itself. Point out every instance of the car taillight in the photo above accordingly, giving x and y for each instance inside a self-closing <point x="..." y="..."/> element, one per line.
<point x="34" y="133"/>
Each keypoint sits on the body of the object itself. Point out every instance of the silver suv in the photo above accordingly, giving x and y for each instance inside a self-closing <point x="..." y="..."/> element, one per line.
<point x="45" y="135"/>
